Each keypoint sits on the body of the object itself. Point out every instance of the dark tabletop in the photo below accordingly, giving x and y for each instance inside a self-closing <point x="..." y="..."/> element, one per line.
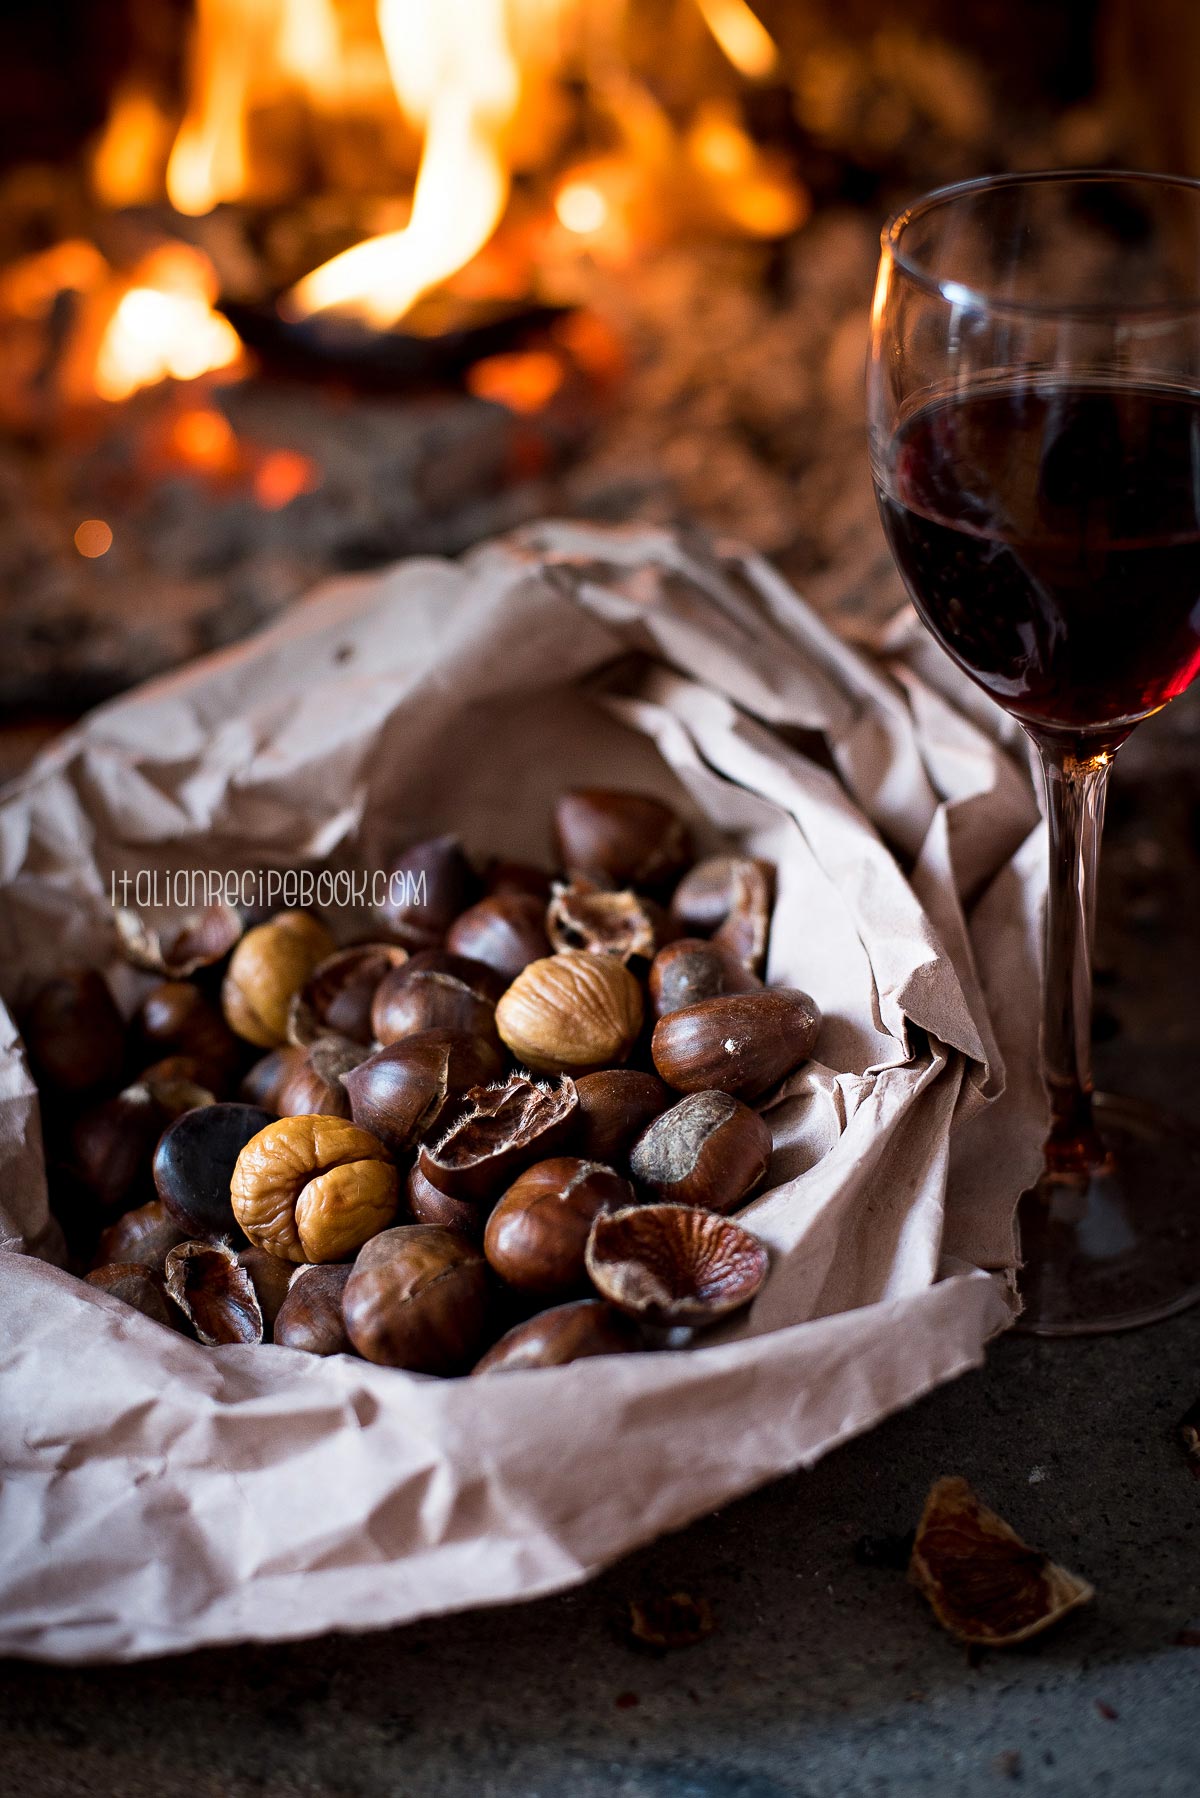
<point x="824" y="1674"/>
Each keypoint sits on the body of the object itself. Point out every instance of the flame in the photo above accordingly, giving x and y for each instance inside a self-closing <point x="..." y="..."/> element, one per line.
<point x="523" y="381"/>
<point x="164" y="326"/>
<point x="743" y="37"/>
<point x="760" y="195"/>
<point x="455" y="73"/>
<point x="30" y="287"/>
<point x="127" y="162"/>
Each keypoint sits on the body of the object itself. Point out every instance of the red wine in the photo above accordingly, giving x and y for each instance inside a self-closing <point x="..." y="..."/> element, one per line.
<point x="1050" y="538"/>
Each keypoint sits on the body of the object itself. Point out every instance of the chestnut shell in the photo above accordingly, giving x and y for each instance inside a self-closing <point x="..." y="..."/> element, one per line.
<point x="410" y="1088"/>
<point x="673" y="1264"/>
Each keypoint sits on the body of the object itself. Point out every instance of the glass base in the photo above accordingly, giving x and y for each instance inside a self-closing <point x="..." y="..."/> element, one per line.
<point x="1116" y="1245"/>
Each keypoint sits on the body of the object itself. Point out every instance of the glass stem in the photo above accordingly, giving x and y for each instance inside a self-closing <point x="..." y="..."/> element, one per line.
<point x="1076" y="783"/>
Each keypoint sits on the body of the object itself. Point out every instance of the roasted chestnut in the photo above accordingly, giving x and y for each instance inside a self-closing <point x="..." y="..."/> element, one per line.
<point x="74" y="1033"/>
<point x="410" y="1089"/>
<point x="112" y="1144"/>
<point x="176" y="1019"/>
<point x="146" y="1235"/>
<point x="536" y="1236"/>
<point x="338" y="994"/>
<point x="517" y="877"/>
<point x="270" y="1278"/>
<point x="417" y="1298"/>
<point x="571" y="1013"/>
<point x="435" y="991"/>
<point x="429" y="884"/>
<point x="507" y="1127"/>
<point x="268" y="967"/>
<point x="742" y="1043"/>
<point x="626" y="839"/>
<point x="184" y="946"/>
<point x="310" y="1317"/>
<point x="313" y="1188"/>
<point x="710" y="1150"/>
<point x="144" y="1288"/>
<point x="428" y="1205"/>
<point x="690" y="969"/>
<point x="615" y="1106"/>
<point x="565" y="1333"/>
<point x="314" y="1085"/>
<point x="506" y="932"/>
<point x="268" y="1078"/>
<point x="194" y="1163"/>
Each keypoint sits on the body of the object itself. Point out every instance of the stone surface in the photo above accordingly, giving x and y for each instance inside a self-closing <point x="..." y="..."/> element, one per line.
<point x="825" y="1676"/>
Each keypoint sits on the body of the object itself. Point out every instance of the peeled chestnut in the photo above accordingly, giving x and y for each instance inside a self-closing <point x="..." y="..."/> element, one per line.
<point x="566" y="1333"/>
<point x="428" y="1205"/>
<point x="313" y="1087"/>
<point x="142" y="1287"/>
<point x="615" y="1106"/>
<point x="505" y="1128"/>
<point x="409" y="1089"/>
<point x="194" y="1163"/>
<point x="310" y="1317"/>
<point x="337" y="996"/>
<point x="176" y="1019"/>
<point x="214" y="1292"/>
<point x="506" y="932"/>
<point x="710" y="1150"/>
<point x="429" y="884"/>
<point x="691" y="969"/>
<point x="417" y="1298"/>
<point x="313" y="1188"/>
<point x="269" y="1076"/>
<point x="741" y="1043"/>
<point x="435" y="991"/>
<point x="146" y="1235"/>
<point x="75" y="1034"/>
<point x="571" y="1013"/>
<point x="536" y="1236"/>
<point x="270" y="965"/>
<point x="627" y="839"/>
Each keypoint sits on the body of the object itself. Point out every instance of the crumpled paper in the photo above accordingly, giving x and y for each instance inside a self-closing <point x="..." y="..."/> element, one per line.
<point x="158" y="1495"/>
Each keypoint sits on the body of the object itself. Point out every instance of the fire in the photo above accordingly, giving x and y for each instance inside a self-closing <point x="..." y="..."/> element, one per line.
<point x="164" y="325"/>
<point x="743" y="37"/>
<point x="127" y="163"/>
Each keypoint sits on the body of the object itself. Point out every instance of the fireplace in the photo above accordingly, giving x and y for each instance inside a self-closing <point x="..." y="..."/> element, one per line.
<point x="295" y="287"/>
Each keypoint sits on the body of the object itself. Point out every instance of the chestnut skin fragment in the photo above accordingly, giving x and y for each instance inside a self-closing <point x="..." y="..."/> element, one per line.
<point x="215" y="1293"/>
<point x="615" y="1107"/>
<point x="570" y="1332"/>
<point x="313" y="1188"/>
<point x="537" y="1235"/>
<point x="729" y="898"/>
<point x="146" y="1235"/>
<point x="673" y="1264"/>
<point x="186" y="945"/>
<point x="409" y="1089"/>
<point x="584" y="916"/>
<point x="985" y="1586"/>
<point x="690" y="969"/>
<point x="74" y="1033"/>
<point x="194" y="1163"/>
<point x="505" y="931"/>
<point x="625" y="839"/>
<point x="270" y="1278"/>
<point x="709" y="1150"/>
<point x="418" y="1298"/>
<point x="310" y="1317"/>
<point x="139" y="1286"/>
<point x="506" y="1128"/>
<point x="336" y="998"/>
<point x="432" y="882"/>
<point x="741" y="1043"/>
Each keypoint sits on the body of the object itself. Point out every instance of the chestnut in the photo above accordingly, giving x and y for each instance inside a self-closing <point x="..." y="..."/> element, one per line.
<point x="270" y="1278"/>
<point x="194" y="1163"/>
<point x="747" y="929"/>
<point x="268" y="1078"/>
<point x="507" y="1127"/>
<point x="313" y="1188"/>
<point x="740" y="1043"/>
<point x="146" y="1235"/>
<point x="410" y="1088"/>
<point x="691" y="969"/>
<point x="176" y="1019"/>
<point x="536" y="1237"/>
<point x="142" y="1287"/>
<point x="710" y="1150"/>
<point x="336" y="998"/>
<point x="505" y="931"/>
<point x="517" y="877"/>
<point x="434" y="991"/>
<point x="625" y="839"/>
<point x="214" y="1292"/>
<point x="428" y="1205"/>
<point x="310" y="1317"/>
<point x="186" y="945"/>
<point x="615" y="1106"/>
<point x="313" y="1087"/>
<point x="565" y="1333"/>
<point x="112" y="1144"/>
<point x="571" y="1013"/>
<point x="417" y="1298"/>
<point x="429" y="884"/>
<point x="268" y="967"/>
<point x="75" y="1034"/>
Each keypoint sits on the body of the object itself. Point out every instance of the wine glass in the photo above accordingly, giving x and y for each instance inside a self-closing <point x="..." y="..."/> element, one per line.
<point x="1034" y="399"/>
